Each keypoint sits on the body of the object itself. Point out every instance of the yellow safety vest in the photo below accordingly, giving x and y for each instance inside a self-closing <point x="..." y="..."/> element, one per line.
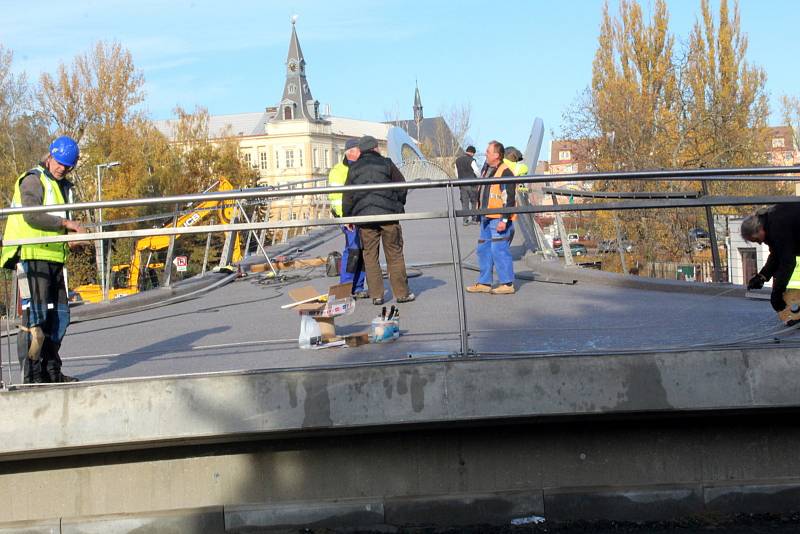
<point x="17" y="228"/>
<point x="336" y="178"/>
<point x="517" y="167"/>
<point x="794" y="280"/>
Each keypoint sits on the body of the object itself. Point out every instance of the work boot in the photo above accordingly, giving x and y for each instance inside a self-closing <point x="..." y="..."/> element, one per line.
<point x="37" y="340"/>
<point x="503" y="289"/>
<point x="65" y="378"/>
<point x="361" y="295"/>
<point x="479" y="288"/>
<point x="408" y="298"/>
<point x="466" y="222"/>
<point x="377" y="302"/>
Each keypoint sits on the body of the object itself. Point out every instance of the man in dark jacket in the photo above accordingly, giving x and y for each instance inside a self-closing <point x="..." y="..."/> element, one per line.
<point x="372" y="168"/>
<point x="467" y="168"/>
<point x="778" y="227"/>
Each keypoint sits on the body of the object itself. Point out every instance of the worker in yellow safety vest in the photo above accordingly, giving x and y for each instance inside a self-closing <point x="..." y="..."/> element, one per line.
<point x="514" y="161"/>
<point x="40" y="267"/>
<point x="351" y="270"/>
<point x="497" y="230"/>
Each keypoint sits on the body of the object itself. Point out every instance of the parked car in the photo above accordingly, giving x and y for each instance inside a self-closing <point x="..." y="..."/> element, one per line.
<point x="576" y="248"/>
<point x="698" y="233"/>
<point x="573" y="238"/>
<point x="556" y="242"/>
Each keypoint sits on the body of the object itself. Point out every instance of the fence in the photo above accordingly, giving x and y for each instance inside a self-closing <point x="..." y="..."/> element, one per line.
<point x="314" y="199"/>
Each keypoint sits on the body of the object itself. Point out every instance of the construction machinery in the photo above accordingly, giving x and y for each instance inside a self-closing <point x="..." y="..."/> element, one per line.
<point x="141" y="274"/>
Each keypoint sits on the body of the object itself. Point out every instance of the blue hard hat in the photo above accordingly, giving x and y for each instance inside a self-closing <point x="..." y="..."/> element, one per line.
<point x="65" y="151"/>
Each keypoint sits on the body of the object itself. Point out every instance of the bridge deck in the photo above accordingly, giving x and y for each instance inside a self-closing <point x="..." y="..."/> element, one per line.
<point x="241" y="325"/>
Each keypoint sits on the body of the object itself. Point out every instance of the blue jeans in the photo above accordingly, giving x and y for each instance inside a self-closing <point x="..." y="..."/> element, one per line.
<point x="494" y="251"/>
<point x="352" y="242"/>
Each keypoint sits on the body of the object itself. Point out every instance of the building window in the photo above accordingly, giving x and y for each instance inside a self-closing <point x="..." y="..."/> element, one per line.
<point x="277" y="160"/>
<point x="263" y="160"/>
<point x="292" y="88"/>
<point x="778" y="142"/>
<point x="247" y="158"/>
<point x="564" y="155"/>
<point x="300" y="162"/>
<point x="294" y="216"/>
<point x="287" y="113"/>
<point x="327" y="158"/>
<point x="289" y="159"/>
<point x="315" y="156"/>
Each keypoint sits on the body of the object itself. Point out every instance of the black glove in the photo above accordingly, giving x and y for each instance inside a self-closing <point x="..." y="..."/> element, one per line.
<point x="757" y="282"/>
<point x="776" y="299"/>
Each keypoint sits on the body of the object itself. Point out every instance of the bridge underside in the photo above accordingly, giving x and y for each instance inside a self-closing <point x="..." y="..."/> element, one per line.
<point x="634" y="436"/>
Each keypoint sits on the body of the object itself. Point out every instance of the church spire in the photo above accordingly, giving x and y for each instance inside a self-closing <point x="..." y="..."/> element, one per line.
<point x="417" y="105"/>
<point x="296" y="102"/>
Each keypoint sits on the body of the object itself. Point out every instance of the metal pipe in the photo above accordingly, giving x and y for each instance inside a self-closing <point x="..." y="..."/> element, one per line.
<point x="692" y="175"/>
<point x="611" y="206"/>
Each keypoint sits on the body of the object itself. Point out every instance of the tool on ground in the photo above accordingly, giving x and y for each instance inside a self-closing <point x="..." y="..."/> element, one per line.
<point x="322" y="298"/>
<point x="383" y="313"/>
<point x="391" y="313"/>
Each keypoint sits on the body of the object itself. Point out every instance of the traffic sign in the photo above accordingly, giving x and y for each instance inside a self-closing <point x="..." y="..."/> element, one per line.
<point x="181" y="262"/>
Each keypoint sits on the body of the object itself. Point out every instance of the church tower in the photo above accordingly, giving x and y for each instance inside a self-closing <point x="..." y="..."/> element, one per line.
<point x="417" y="106"/>
<point x="297" y="102"/>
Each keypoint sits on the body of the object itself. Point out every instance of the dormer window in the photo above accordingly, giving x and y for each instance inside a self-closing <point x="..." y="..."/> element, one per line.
<point x="287" y="113"/>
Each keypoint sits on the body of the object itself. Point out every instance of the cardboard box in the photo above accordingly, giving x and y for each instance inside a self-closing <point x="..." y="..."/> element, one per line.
<point x="324" y="308"/>
<point x="338" y="301"/>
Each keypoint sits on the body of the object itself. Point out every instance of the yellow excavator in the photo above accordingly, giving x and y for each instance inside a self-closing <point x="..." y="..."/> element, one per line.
<point x="128" y="279"/>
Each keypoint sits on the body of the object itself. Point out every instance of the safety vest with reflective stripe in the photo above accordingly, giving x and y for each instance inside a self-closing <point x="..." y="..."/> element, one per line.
<point x="498" y="196"/>
<point x="336" y="178"/>
<point x="17" y="228"/>
<point x="517" y="167"/>
<point x="794" y="281"/>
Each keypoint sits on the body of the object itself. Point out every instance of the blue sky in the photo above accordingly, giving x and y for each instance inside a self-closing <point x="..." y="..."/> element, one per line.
<point x="527" y="59"/>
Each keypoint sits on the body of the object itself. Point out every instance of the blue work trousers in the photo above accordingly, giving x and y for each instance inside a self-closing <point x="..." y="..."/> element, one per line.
<point x="352" y="245"/>
<point x="494" y="251"/>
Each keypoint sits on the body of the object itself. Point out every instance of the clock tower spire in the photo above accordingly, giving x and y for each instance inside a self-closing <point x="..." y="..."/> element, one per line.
<point x="296" y="102"/>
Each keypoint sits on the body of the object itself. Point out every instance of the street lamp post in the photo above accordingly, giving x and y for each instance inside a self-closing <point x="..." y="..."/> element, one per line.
<point x="101" y="263"/>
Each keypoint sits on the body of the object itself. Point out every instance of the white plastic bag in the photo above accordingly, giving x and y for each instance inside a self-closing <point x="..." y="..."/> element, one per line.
<point x="310" y="333"/>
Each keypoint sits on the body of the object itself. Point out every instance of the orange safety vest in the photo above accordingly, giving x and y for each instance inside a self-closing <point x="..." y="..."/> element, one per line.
<point x="498" y="197"/>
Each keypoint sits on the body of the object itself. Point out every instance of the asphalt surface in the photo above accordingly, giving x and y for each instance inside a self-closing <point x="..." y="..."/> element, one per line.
<point x="240" y="326"/>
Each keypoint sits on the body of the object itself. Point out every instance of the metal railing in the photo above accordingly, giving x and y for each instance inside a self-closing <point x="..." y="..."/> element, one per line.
<point x="450" y="213"/>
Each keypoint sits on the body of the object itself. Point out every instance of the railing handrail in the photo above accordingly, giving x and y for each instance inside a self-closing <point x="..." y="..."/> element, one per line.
<point x="608" y="206"/>
<point x="738" y="174"/>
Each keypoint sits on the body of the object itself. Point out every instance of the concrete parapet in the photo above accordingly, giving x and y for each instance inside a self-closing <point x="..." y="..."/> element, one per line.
<point x="133" y="414"/>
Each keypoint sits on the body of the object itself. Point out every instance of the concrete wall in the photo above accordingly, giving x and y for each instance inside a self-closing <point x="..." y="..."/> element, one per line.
<point x="643" y="468"/>
<point x="137" y="413"/>
<point x="626" y="429"/>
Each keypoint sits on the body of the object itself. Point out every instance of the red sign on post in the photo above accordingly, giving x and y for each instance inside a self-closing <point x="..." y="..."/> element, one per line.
<point x="181" y="263"/>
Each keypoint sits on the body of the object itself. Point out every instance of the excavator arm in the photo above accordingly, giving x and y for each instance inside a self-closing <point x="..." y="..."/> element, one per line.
<point x="199" y="213"/>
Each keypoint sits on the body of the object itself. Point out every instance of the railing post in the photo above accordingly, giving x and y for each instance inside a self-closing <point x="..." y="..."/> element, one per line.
<point x="563" y="233"/>
<point x="455" y="250"/>
<point x="712" y="234"/>
<point x="170" y="251"/>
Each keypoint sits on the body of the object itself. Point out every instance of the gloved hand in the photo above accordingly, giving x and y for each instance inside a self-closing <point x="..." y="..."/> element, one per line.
<point x="757" y="282"/>
<point x="776" y="299"/>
